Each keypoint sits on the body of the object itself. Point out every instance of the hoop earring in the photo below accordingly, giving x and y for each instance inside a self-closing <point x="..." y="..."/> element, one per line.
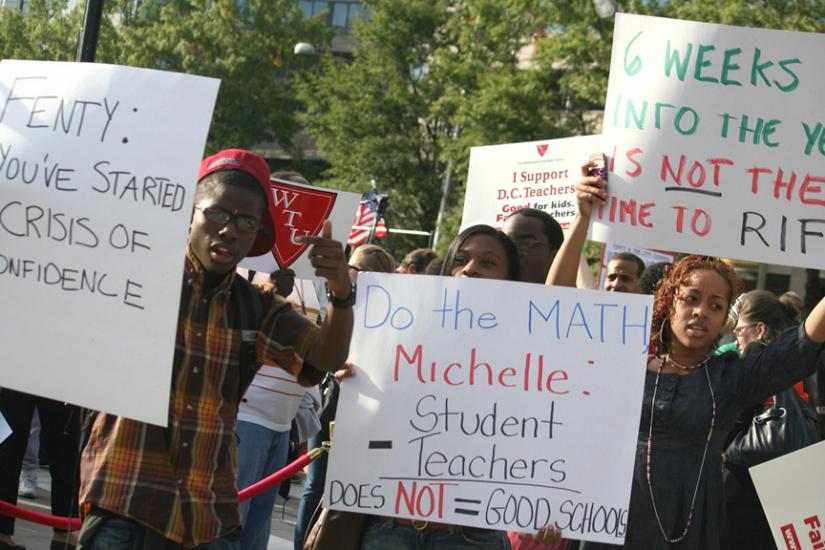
<point x="662" y="346"/>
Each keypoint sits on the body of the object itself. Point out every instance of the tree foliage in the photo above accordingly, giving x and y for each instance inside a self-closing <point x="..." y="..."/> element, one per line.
<point x="248" y="45"/>
<point x="494" y="71"/>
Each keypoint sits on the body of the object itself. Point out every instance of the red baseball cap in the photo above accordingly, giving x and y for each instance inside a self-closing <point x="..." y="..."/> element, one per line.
<point x="255" y="166"/>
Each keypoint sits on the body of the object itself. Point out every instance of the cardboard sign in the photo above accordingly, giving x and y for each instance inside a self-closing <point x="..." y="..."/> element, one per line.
<point x="537" y="174"/>
<point x="301" y="210"/>
<point x="792" y="492"/>
<point x="717" y="141"/>
<point x="97" y="173"/>
<point x="490" y="403"/>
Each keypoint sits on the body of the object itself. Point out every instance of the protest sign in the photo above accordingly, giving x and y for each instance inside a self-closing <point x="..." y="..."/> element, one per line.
<point x="535" y="174"/>
<point x="301" y="210"/>
<point x="791" y="490"/>
<point x="715" y="141"/>
<point x="491" y="404"/>
<point x="97" y="173"/>
<point x="646" y="255"/>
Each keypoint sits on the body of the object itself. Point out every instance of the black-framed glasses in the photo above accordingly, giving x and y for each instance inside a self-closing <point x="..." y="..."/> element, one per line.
<point x="221" y="216"/>
<point x="528" y="243"/>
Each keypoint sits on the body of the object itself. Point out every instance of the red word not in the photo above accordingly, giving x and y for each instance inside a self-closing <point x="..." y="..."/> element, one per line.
<point x="423" y="502"/>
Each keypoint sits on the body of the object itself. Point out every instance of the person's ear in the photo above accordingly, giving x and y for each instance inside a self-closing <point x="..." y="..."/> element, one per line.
<point x="761" y="331"/>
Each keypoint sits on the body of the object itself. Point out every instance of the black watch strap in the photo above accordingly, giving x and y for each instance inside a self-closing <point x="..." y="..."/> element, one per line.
<point x="344" y="303"/>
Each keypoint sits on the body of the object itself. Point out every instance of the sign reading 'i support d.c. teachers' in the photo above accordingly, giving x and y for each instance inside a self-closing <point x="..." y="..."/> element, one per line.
<point x="97" y="173"/>
<point x="491" y="404"/>
<point x="717" y="141"/>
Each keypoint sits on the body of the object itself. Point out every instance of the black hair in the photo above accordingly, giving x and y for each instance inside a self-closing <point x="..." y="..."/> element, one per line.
<point x="513" y="258"/>
<point x="652" y="277"/>
<point x="630" y="257"/>
<point x="555" y="236"/>
<point x="420" y="258"/>
<point x="230" y="178"/>
<point x="761" y="306"/>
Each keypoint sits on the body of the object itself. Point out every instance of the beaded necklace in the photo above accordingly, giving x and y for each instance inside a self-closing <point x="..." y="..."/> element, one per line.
<point x="704" y="453"/>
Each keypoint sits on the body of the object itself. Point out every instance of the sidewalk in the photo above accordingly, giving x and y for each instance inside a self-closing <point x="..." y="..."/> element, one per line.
<point x="38" y="537"/>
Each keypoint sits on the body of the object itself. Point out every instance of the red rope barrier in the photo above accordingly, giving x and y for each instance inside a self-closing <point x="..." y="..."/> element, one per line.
<point x="73" y="524"/>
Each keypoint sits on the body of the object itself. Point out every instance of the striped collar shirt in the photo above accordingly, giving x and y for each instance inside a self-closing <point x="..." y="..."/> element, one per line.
<point x="181" y="480"/>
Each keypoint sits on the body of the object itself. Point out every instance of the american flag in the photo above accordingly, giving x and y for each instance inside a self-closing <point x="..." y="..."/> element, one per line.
<point x="364" y="218"/>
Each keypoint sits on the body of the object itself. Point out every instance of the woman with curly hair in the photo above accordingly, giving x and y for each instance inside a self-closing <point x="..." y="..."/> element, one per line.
<point x="691" y="397"/>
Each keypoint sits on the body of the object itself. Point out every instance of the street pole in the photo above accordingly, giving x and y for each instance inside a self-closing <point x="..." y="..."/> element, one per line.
<point x="87" y="42"/>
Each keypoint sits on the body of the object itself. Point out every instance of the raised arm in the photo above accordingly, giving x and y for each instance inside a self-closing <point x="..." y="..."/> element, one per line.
<point x="590" y="191"/>
<point x="815" y="323"/>
<point x="330" y="349"/>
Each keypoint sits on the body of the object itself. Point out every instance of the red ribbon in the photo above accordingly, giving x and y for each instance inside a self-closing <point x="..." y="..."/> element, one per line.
<point x="73" y="524"/>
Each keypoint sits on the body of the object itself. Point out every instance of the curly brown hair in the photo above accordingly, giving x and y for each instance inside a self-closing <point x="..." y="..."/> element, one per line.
<point x="674" y="278"/>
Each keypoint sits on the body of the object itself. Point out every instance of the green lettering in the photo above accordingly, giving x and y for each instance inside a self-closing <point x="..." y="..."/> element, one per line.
<point x="728" y="66"/>
<point x="758" y="68"/>
<point x="672" y="58"/>
<point x="638" y="117"/>
<point x="811" y="135"/>
<point x="658" y="113"/>
<point x="768" y="130"/>
<point x="792" y="86"/>
<point x="701" y="63"/>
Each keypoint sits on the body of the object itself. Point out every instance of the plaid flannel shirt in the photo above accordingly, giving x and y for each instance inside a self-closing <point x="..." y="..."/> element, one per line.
<point x="181" y="480"/>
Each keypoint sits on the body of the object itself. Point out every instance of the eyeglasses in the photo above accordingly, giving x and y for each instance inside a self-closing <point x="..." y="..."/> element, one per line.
<point x="221" y="216"/>
<point x="740" y="329"/>
<point x="527" y="243"/>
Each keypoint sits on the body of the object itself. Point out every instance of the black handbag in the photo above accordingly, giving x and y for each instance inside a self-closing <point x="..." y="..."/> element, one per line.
<point x="784" y="427"/>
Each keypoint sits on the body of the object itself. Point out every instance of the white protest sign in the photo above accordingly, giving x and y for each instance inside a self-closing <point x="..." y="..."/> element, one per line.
<point x="97" y="171"/>
<point x="792" y="492"/>
<point x="301" y="210"/>
<point x="717" y="139"/>
<point x="492" y="404"/>
<point x="536" y="174"/>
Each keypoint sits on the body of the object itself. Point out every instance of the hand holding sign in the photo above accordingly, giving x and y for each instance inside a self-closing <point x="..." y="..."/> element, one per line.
<point x="590" y="190"/>
<point x="327" y="257"/>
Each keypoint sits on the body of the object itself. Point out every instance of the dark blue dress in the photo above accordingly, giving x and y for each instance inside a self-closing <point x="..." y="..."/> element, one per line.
<point x="680" y="427"/>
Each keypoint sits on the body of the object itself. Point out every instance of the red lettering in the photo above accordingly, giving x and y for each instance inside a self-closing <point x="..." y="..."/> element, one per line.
<point x="809" y="185"/>
<point x="429" y="491"/>
<point x="447" y="374"/>
<point x="755" y="173"/>
<point x="716" y="163"/>
<point x="696" y="175"/>
<point x="556" y="376"/>
<point x="415" y="359"/>
<point x="667" y="168"/>
<point x="628" y="209"/>
<point x="408" y="499"/>
<point x="779" y="184"/>
<point x="630" y="156"/>
<point x="474" y="366"/>
<point x="509" y="372"/>
<point x="644" y="214"/>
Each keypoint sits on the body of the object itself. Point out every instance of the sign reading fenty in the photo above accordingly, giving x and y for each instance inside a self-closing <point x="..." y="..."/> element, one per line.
<point x="97" y="174"/>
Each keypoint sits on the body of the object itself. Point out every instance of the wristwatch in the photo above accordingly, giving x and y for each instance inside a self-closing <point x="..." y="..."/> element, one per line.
<point x="344" y="303"/>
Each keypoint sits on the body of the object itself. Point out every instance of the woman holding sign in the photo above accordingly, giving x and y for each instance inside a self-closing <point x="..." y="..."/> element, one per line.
<point x="479" y="251"/>
<point x="692" y="398"/>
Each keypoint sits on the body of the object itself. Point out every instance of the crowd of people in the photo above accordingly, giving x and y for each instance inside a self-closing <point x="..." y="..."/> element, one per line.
<point x="251" y="372"/>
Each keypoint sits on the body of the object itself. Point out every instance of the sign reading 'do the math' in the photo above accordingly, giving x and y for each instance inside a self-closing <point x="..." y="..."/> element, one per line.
<point x="97" y="173"/>
<point x="491" y="404"/>
<point x="717" y="140"/>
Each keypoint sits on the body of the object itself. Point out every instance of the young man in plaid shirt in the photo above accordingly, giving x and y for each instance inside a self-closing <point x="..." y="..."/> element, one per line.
<point x="147" y="487"/>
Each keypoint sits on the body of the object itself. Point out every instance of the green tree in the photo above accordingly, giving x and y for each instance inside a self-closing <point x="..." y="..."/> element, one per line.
<point x="248" y="45"/>
<point x="48" y="31"/>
